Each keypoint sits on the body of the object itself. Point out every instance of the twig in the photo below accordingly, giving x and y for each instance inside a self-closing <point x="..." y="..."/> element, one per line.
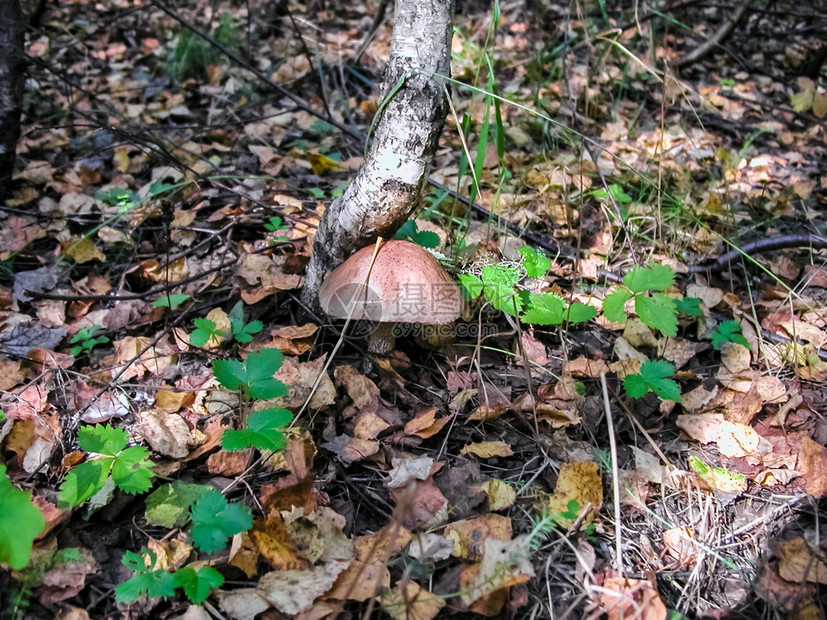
<point x="716" y="39"/>
<point x="615" y="472"/>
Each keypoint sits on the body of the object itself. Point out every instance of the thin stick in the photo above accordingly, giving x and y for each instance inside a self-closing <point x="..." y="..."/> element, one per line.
<point x="615" y="480"/>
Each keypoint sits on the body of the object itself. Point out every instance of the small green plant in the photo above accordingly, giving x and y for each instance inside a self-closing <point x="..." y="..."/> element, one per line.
<point x="130" y="468"/>
<point x="276" y="225"/>
<point x="653" y="377"/>
<point x="500" y="285"/>
<point x="241" y="331"/>
<point x="254" y="379"/>
<point x="204" y="331"/>
<point x="20" y="522"/>
<point x="409" y="231"/>
<point x="171" y="301"/>
<point x="84" y="340"/>
<point x="729" y="331"/>
<point x="214" y="520"/>
<point x="657" y="311"/>
<point x="145" y="582"/>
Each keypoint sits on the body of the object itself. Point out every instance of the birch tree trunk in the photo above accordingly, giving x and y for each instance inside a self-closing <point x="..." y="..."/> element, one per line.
<point x="388" y="186"/>
<point x="12" y="67"/>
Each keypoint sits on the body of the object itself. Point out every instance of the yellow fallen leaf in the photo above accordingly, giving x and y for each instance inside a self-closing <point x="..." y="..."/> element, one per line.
<point x="488" y="449"/>
<point x="82" y="250"/>
<point x="578" y="486"/>
<point x="411" y="602"/>
<point x="500" y="494"/>
<point x="797" y="562"/>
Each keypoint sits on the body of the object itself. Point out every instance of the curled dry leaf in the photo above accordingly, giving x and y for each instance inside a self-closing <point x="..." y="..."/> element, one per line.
<point x="167" y="434"/>
<point x="293" y="591"/>
<point x="488" y="449"/>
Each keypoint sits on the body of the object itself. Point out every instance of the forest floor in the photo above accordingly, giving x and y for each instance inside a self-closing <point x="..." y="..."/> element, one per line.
<point x="586" y="444"/>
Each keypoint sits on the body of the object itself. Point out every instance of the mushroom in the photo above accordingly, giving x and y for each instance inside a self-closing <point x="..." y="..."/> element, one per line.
<point x="407" y="284"/>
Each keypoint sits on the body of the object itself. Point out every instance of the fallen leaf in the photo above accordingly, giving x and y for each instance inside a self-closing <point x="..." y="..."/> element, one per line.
<point x="501" y="495"/>
<point x="798" y="563"/>
<point x="631" y="598"/>
<point x="488" y="449"/>
<point x="505" y="563"/>
<point x="812" y="462"/>
<point x="167" y="434"/>
<point x="360" y="389"/>
<point x="293" y="591"/>
<point x="411" y="602"/>
<point x="579" y="483"/>
<point x="469" y="535"/>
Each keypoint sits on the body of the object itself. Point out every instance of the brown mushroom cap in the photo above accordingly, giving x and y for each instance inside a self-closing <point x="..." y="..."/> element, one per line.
<point x="407" y="284"/>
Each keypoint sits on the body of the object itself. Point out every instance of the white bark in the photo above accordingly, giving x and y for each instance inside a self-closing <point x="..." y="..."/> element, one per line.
<point x="388" y="186"/>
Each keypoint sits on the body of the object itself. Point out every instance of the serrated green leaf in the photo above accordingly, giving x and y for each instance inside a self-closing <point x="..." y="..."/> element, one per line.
<point x="132" y="470"/>
<point x="690" y="306"/>
<point x="84" y="481"/>
<point x="654" y="376"/>
<point x="729" y="331"/>
<point x="544" y="309"/>
<point x="470" y="285"/>
<point x="154" y="584"/>
<point x="614" y="305"/>
<point x="214" y="521"/>
<point x="503" y="297"/>
<point x="261" y="365"/>
<point x="170" y="301"/>
<point x="230" y="373"/>
<point x="205" y="329"/>
<point x="501" y="274"/>
<point x="102" y="439"/>
<point x="580" y="313"/>
<point x="655" y="278"/>
<point x="20" y="522"/>
<point x="264" y="431"/>
<point x="536" y="265"/>
<point x="169" y="504"/>
<point x="658" y="312"/>
<point x="197" y="584"/>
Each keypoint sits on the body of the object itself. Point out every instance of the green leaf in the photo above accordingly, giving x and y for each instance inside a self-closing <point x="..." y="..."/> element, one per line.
<point x="470" y="285"/>
<point x="658" y="312"/>
<point x="84" y="333"/>
<point x="410" y="231"/>
<point x="690" y="306"/>
<point x="214" y="521"/>
<point x="132" y="470"/>
<point x="536" y="264"/>
<point x="170" y="301"/>
<point x="261" y="365"/>
<point x="656" y="278"/>
<point x="544" y="309"/>
<point x="245" y="332"/>
<point x="145" y="582"/>
<point x="503" y="297"/>
<point x="102" y="439"/>
<point x="169" y="504"/>
<point x="580" y="313"/>
<point x="264" y="431"/>
<point x="230" y="373"/>
<point x="197" y="585"/>
<point x="20" y="522"/>
<point x="614" y="305"/>
<point x="84" y="481"/>
<point x="729" y="331"/>
<point x="501" y="274"/>
<point x="204" y="330"/>
<point x="653" y="376"/>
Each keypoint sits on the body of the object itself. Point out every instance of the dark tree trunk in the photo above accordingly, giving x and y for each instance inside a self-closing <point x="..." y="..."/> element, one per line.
<point x="388" y="186"/>
<point x="12" y="76"/>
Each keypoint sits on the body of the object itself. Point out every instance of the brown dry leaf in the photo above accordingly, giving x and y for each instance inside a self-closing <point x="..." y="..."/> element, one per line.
<point x="407" y="469"/>
<point x="678" y="351"/>
<point x="275" y="545"/>
<point x="784" y="596"/>
<point x="212" y="432"/>
<point x="242" y="604"/>
<point x="174" y="272"/>
<point x="166" y="433"/>
<point x="634" y="487"/>
<point x="812" y="462"/>
<point x="149" y="358"/>
<point x="679" y="543"/>
<point x="534" y="350"/>
<point x="351" y="449"/>
<point x="82" y="250"/>
<point x="489" y="605"/>
<point x="293" y="591"/>
<point x="73" y="613"/>
<point x="244" y="554"/>
<point x="26" y="403"/>
<point x="299" y="377"/>
<point x="169" y="400"/>
<point x="505" y="563"/>
<point x="638" y="334"/>
<point x="65" y="579"/>
<point x="470" y="534"/>
<point x="798" y="563"/>
<point x="426" y="424"/>
<point x="420" y="504"/>
<point x="581" y="483"/>
<point x="361" y="582"/>
<point x="360" y="389"/>
<point x="292" y="339"/>
<point x="318" y="535"/>
<point x="411" y="602"/>
<point x="500" y="494"/>
<point x="10" y="374"/>
<point x="736" y="357"/>
<point x="225" y="463"/>
<point x="488" y="449"/>
<point x="631" y="598"/>
<point x="381" y="545"/>
<point x="483" y="413"/>
<point x="710" y="296"/>
<point x="584" y="367"/>
<point x="170" y="554"/>
<point x="429" y="547"/>
<point x="737" y="440"/>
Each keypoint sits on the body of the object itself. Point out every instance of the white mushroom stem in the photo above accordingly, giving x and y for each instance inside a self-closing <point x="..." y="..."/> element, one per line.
<point x="381" y="340"/>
